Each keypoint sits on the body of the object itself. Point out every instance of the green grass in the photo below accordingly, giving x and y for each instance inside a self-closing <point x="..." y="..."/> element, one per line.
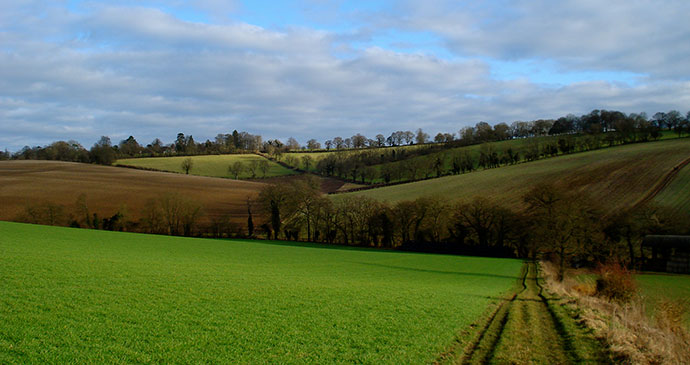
<point x="81" y="296"/>
<point x="615" y="176"/>
<point x="209" y="165"/>
<point x="657" y="287"/>
<point x="677" y="194"/>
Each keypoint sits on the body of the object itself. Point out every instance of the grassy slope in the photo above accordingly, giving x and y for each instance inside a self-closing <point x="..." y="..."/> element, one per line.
<point x="107" y="189"/>
<point x="518" y="145"/>
<point x="677" y="194"/>
<point x="211" y="165"/>
<point x="72" y="295"/>
<point x="658" y="287"/>
<point x="617" y="176"/>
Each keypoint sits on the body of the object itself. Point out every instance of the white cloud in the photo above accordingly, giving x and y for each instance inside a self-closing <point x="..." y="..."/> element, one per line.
<point x="139" y="71"/>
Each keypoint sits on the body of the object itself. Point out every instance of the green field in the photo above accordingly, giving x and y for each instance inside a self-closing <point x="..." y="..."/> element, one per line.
<point x="210" y="165"/>
<point x="657" y="287"/>
<point x="677" y="194"/>
<point x="81" y="296"/>
<point x="616" y="176"/>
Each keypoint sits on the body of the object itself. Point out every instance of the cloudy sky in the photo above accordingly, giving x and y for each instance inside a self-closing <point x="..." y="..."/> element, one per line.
<point x="317" y="69"/>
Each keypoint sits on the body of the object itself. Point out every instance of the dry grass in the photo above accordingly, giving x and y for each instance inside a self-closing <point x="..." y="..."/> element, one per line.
<point x="632" y="336"/>
<point x="108" y="189"/>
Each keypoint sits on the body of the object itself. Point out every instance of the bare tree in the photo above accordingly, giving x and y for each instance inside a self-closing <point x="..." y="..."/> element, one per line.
<point x="235" y="169"/>
<point x="187" y="164"/>
<point x="264" y="166"/>
<point x="252" y="166"/>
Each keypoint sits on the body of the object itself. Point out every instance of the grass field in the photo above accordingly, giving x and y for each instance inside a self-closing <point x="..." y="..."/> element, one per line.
<point x="107" y="189"/>
<point x="658" y="287"/>
<point x="211" y="165"/>
<point x="81" y="296"/>
<point x="677" y="194"/>
<point x="616" y="176"/>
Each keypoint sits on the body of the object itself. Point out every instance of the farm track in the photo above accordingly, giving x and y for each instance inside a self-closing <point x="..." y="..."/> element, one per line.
<point x="662" y="184"/>
<point x="524" y="329"/>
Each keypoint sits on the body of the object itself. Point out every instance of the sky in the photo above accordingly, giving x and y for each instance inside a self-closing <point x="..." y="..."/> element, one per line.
<point x="78" y="70"/>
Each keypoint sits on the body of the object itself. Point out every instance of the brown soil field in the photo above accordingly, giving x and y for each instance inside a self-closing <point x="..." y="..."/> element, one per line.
<point x="26" y="183"/>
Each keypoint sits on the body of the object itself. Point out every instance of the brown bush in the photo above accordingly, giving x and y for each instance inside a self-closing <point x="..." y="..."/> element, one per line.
<point x="615" y="283"/>
<point x="585" y="289"/>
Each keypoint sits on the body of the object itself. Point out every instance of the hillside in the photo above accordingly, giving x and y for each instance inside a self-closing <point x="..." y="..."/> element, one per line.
<point x="209" y="165"/>
<point x="616" y="176"/>
<point x="677" y="194"/>
<point x="107" y="189"/>
<point x="111" y="297"/>
<point x="414" y="162"/>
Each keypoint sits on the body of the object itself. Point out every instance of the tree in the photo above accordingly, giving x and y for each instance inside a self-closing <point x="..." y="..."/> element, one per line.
<point x="439" y="138"/>
<point x="421" y="137"/>
<point x="358" y="141"/>
<point x="563" y="224"/>
<point x="501" y="131"/>
<point x="102" y="152"/>
<point x="250" y="221"/>
<point x="479" y="216"/>
<point x="313" y="144"/>
<point x="274" y="201"/>
<point x="130" y="147"/>
<point x="187" y="164"/>
<point x="307" y="162"/>
<point x="252" y="166"/>
<point x="235" y="169"/>
<point x="264" y="166"/>
<point x="408" y="137"/>
<point x="338" y="142"/>
<point x="292" y="144"/>
<point x="380" y="140"/>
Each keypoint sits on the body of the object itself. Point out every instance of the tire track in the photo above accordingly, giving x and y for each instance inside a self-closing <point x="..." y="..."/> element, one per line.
<point x="662" y="184"/>
<point x="483" y="347"/>
<point x="525" y="329"/>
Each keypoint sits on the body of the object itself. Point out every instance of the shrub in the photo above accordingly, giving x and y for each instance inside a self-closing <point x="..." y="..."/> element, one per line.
<point x="615" y="283"/>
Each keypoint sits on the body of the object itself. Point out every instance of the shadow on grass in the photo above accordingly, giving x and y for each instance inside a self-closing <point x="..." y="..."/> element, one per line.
<point x="459" y="273"/>
<point x="328" y="246"/>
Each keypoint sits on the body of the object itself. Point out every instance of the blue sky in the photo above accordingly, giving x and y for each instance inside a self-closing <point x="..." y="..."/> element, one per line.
<point x="317" y="69"/>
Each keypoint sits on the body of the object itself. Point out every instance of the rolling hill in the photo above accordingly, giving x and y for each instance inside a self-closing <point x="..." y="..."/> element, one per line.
<point x="616" y="176"/>
<point x="107" y="189"/>
<point x="207" y="165"/>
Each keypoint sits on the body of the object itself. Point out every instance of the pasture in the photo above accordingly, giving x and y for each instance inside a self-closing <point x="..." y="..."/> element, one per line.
<point x="207" y="165"/>
<point x="616" y="177"/>
<point x="109" y="189"/>
<point x="83" y="296"/>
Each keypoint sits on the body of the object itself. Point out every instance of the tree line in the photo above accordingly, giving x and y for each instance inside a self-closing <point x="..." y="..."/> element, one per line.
<point x="624" y="126"/>
<point x="552" y="221"/>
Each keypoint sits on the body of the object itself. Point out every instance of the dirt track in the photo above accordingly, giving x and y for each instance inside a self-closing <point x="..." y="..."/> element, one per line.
<point x="529" y="327"/>
<point x="662" y="184"/>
